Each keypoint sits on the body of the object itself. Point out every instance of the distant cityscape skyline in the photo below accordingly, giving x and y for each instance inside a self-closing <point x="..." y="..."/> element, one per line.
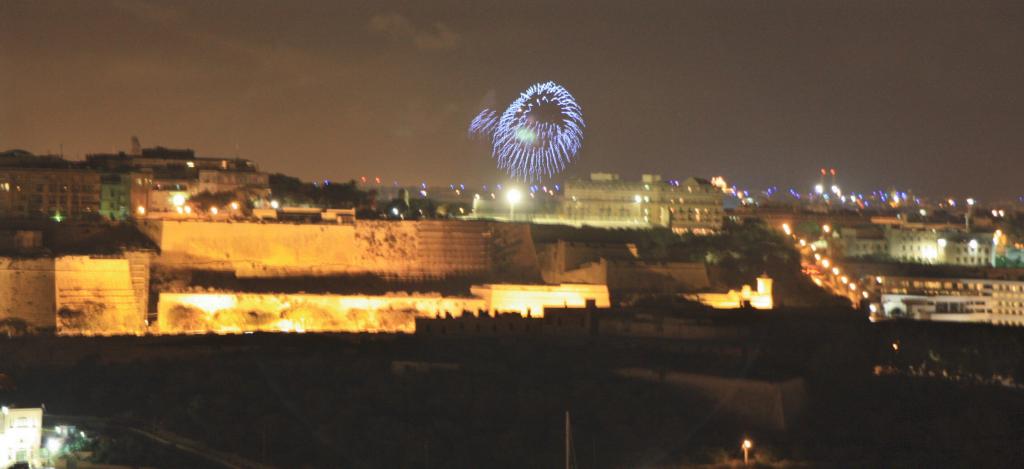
<point x="370" y="180"/>
<point x="914" y="95"/>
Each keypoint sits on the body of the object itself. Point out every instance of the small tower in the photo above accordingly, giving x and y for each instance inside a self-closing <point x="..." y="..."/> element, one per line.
<point x="764" y="298"/>
<point x="764" y="284"/>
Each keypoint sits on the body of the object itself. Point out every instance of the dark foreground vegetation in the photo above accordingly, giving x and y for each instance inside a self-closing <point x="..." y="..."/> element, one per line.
<point x="342" y="401"/>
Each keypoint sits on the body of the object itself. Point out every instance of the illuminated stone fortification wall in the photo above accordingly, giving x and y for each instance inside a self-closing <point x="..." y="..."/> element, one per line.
<point x="411" y="249"/>
<point x="232" y="312"/>
<point x="77" y="294"/>
<point x="26" y="291"/>
<point x="239" y="312"/>
<point x="97" y="295"/>
<point x="531" y="299"/>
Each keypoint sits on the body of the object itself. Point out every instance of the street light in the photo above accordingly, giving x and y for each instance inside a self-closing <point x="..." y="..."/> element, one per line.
<point x="747" y="445"/>
<point x="513" y="196"/>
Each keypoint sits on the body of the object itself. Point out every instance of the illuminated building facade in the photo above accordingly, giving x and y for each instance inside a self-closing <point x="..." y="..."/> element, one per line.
<point x="920" y="244"/>
<point x="605" y="200"/>
<point x="48" y="192"/>
<point x="998" y="302"/>
<point x="21" y="436"/>
<point x="862" y="241"/>
<point x="928" y="246"/>
<point x="693" y="205"/>
<point x="696" y="207"/>
<point x="166" y="173"/>
<point x="218" y="180"/>
<point x="761" y="298"/>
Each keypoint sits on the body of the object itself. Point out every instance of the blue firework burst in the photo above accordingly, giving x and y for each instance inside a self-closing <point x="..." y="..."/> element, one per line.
<point x="538" y="135"/>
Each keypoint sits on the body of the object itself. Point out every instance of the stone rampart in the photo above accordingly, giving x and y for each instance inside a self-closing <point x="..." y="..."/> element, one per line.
<point x="247" y="312"/>
<point x="27" y="291"/>
<point x="235" y="312"/>
<point x="98" y="295"/>
<point x="77" y="294"/>
<point x="406" y="250"/>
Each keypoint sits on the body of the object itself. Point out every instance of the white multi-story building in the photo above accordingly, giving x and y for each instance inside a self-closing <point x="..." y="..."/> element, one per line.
<point x="928" y="246"/>
<point x="21" y="435"/>
<point x="693" y="205"/>
<point x="920" y="245"/>
<point x="999" y="302"/>
<point x="861" y="241"/>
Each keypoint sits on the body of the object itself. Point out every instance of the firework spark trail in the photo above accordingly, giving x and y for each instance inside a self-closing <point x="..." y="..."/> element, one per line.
<point x="484" y="123"/>
<point x="528" y="144"/>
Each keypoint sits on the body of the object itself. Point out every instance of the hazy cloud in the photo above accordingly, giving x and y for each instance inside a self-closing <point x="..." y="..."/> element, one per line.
<point x="399" y="28"/>
<point x="149" y="11"/>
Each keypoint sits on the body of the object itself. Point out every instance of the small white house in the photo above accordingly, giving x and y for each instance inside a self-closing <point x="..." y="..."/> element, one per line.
<point x="21" y="435"/>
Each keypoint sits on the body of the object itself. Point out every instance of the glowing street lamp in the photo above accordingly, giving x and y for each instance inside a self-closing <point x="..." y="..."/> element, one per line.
<point x="54" y="445"/>
<point x="786" y="229"/>
<point x="513" y="196"/>
<point x="747" y="446"/>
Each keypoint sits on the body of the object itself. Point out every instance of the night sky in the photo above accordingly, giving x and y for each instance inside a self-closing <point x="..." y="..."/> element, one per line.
<point x="926" y="95"/>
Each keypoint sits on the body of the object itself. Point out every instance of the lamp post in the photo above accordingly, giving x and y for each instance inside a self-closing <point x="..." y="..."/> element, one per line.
<point x="747" y="445"/>
<point x="513" y="196"/>
<point x="967" y="216"/>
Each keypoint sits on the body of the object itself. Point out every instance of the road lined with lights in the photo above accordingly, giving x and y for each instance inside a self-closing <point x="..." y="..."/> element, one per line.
<point x="826" y="273"/>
